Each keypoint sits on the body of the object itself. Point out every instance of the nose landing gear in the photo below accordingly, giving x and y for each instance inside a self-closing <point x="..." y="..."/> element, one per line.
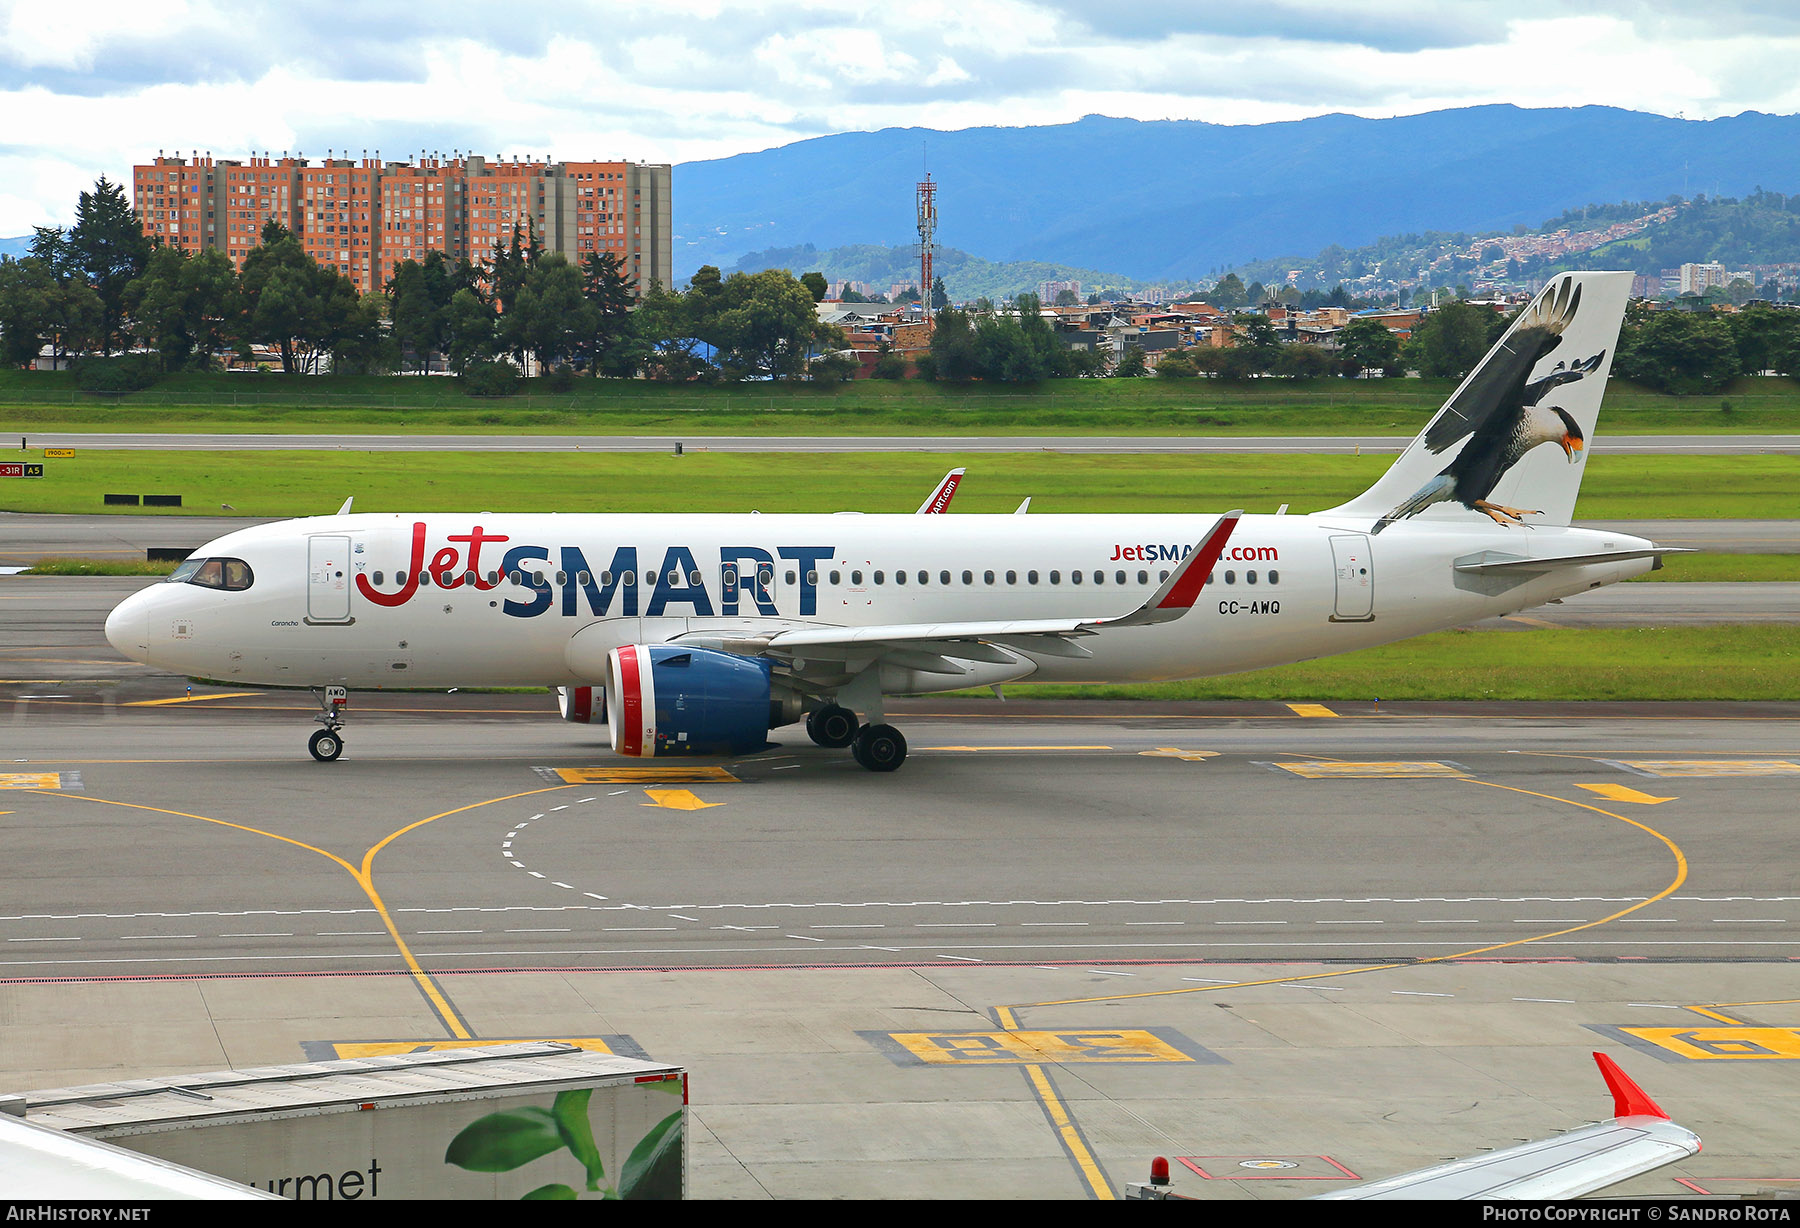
<point x="328" y="743"/>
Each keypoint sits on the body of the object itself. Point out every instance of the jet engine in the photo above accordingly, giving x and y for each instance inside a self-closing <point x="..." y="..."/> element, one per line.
<point x="664" y="699"/>
<point x="585" y="705"/>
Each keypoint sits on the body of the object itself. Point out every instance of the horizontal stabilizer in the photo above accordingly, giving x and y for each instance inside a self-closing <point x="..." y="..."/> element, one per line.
<point x="1491" y="561"/>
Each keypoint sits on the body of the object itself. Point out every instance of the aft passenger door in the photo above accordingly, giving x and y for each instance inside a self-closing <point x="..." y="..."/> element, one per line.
<point x="1355" y="602"/>
<point x="328" y="580"/>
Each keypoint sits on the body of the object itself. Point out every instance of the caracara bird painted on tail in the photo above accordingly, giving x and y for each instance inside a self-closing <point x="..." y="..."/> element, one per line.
<point x="1501" y="414"/>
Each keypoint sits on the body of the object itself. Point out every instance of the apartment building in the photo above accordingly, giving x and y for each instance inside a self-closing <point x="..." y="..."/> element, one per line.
<point x="364" y="217"/>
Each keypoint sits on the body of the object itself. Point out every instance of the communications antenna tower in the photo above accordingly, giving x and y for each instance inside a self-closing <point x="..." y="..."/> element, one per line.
<point x="927" y="198"/>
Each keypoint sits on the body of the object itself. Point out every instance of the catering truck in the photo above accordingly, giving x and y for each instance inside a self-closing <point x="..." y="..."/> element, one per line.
<point x="530" y="1121"/>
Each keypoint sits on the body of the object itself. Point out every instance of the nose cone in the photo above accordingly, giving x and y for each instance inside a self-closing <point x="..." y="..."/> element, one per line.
<point x="128" y="627"/>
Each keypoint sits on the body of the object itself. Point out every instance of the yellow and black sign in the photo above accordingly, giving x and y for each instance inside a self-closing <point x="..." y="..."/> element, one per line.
<point x="58" y="453"/>
<point x="1721" y="1043"/>
<point x="1707" y="767"/>
<point x="1061" y="1048"/>
<point x="633" y="775"/>
<point x="1389" y="769"/>
<point x="332" y="1050"/>
<point x="31" y="780"/>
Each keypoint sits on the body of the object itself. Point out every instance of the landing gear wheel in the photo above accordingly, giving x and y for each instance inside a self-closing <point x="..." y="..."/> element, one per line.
<point x="831" y="726"/>
<point x="880" y="748"/>
<point x="326" y="745"/>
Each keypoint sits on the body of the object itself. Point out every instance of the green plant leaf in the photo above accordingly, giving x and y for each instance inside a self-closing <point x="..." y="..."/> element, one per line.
<point x="551" y="1193"/>
<point x="501" y="1142"/>
<point x="653" y="1169"/>
<point x="571" y="1113"/>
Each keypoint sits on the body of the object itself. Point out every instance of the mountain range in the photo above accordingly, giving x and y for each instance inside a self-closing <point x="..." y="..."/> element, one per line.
<point x="1184" y="199"/>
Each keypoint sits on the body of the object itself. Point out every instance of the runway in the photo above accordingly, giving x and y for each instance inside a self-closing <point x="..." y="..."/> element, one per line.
<point x="26" y="537"/>
<point x="1692" y="445"/>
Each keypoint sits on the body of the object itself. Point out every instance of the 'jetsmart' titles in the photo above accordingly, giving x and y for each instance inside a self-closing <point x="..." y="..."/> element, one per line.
<point x="746" y="577"/>
<point x="1150" y="553"/>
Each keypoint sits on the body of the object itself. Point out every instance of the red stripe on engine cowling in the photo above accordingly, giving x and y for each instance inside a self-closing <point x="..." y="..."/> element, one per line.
<point x="631" y="703"/>
<point x="1200" y="566"/>
<point x="581" y="704"/>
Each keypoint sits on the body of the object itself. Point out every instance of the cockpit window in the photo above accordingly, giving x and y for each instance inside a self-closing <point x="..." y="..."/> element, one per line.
<point x="231" y="575"/>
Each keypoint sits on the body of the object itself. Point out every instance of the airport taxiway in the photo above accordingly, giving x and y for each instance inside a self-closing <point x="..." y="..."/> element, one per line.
<point x="1296" y="944"/>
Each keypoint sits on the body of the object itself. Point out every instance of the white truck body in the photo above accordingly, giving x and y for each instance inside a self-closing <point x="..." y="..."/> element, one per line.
<point x="539" y="1121"/>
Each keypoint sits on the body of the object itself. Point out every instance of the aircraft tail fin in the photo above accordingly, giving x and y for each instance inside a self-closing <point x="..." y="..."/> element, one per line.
<point x="1509" y="445"/>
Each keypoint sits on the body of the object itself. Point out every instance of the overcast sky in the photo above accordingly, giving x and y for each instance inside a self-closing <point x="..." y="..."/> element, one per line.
<point x="88" y="87"/>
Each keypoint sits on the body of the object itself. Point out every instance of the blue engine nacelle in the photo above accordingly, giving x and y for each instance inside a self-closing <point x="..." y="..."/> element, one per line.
<point x="663" y="699"/>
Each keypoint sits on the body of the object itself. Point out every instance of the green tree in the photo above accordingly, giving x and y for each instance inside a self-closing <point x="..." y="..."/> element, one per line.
<point x="550" y="316"/>
<point x="1131" y="363"/>
<point x="51" y="301"/>
<point x="1368" y="345"/>
<point x="1448" y="342"/>
<point x="889" y="366"/>
<point x="1679" y="352"/>
<point x="1766" y="338"/>
<point x="815" y="285"/>
<point x="1229" y="293"/>
<point x="25" y="288"/>
<point x="416" y="319"/>
<point x="765" y="325"/>
<point x="468" y="331"/>
<point x="1177" y="364"/>
<point x="940" y="297"/>
<point x="292" y="303"/>
<point x="669" y="326"/>
<point x="954" y="357"/>
<point x="615" y="347"/>
<point x="108" y="246"/>
<point x="182" y="306"/>
<point x="1258" y="345"/>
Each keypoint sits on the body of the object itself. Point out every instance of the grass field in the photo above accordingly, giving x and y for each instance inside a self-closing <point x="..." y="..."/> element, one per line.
<point x="315" y="483"/>
<point x="43" y="400"/>
<point x="1630" y="663"/>
<point x="1725" y="569"/>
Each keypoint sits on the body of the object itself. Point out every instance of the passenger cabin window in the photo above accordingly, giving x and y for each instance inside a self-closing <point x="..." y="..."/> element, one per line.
<point x="1274" y="577"/>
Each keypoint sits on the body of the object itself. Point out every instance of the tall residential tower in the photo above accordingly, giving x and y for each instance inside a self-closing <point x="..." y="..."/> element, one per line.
<point x="363" y="216"/>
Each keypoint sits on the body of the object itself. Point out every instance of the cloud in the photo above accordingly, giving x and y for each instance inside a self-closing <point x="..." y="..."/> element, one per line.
<point x="104" y="83"/>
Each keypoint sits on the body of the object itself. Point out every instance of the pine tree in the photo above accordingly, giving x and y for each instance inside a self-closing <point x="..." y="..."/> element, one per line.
<point x="107" y="244"/>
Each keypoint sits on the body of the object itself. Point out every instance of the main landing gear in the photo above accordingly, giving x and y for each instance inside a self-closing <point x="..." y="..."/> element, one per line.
<point x="879" y="748"/>
<point x="328" y="743"/>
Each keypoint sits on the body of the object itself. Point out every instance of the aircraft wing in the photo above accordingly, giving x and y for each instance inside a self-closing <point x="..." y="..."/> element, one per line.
<point x="1639" y="1139"/>
<point x="925" y="645"/>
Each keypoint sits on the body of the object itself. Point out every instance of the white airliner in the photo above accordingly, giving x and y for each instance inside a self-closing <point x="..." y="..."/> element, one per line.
<point x="698" y="634"/>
